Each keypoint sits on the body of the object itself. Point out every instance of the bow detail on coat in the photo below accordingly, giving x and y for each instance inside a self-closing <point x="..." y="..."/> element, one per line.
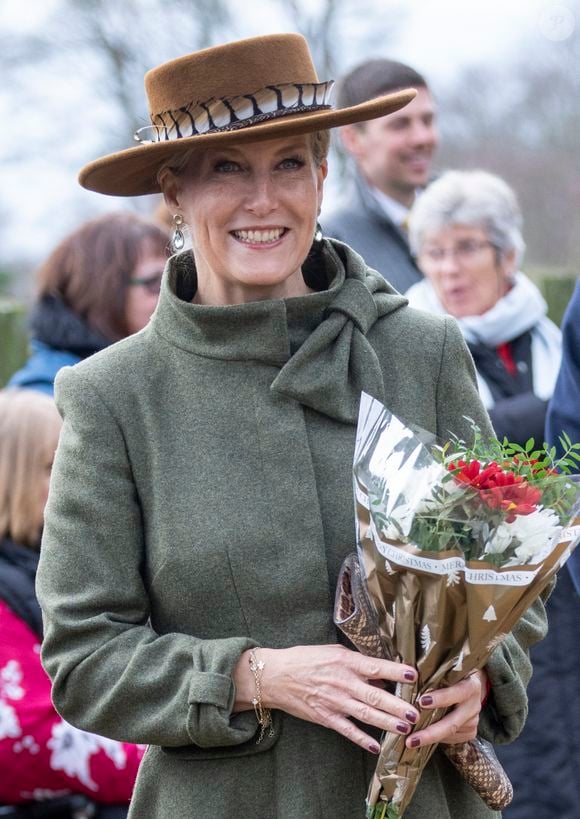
<point x="337" y="362"/>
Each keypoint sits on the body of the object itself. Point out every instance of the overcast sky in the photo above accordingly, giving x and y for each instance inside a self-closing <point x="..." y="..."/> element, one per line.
<point x="438" y="37"/>
<point x="438" y="34"/>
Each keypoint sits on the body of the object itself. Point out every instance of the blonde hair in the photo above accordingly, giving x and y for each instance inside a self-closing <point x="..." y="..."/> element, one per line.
<point x="29" y="430"/>
<point x="176" y="164"/>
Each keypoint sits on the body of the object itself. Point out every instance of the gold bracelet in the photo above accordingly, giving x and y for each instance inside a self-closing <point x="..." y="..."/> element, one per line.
<point x="263" y="715"/>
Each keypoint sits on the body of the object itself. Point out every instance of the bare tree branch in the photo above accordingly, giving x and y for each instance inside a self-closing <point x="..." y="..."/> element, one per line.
<point x="522" y="122"/>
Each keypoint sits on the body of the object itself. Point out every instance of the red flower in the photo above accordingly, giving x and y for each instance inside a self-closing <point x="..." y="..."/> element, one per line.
<point x="471" y="473"/>
<point x="498" y="488"/>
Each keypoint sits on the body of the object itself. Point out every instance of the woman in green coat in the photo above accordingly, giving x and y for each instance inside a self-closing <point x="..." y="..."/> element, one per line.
<point x="201" y="502"/>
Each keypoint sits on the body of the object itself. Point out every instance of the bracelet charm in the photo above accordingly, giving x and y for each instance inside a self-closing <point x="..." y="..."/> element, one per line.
<point x="263" y="715"/>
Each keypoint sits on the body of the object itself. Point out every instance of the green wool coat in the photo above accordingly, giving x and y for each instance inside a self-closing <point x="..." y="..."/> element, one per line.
<point x="201" y="504"/>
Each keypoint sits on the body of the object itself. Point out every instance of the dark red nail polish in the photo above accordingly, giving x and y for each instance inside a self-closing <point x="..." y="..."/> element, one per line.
<point x="415" y="742"/>
<point x="409" y="676"/>
<point x="426" y="700"/>
<point x="403" y="728"/>
<point x="374" y="748"/>
<point x="411" y="716"/>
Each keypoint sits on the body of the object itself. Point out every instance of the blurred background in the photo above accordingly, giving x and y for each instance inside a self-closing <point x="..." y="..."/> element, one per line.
<point x="505" y="74"/>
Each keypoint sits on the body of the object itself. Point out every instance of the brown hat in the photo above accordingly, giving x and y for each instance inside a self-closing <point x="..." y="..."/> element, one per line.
<point x="249" y="90"/>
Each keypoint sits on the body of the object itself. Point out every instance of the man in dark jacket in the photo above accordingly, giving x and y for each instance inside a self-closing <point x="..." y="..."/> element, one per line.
<point x="564" y="408"/>
<point x="392" y="158"/>
<point x="543" y="764"/>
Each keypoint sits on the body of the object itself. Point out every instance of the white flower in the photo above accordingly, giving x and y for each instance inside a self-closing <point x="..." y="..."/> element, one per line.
<point x="499" y="541"/>
<point x="28" y="743"/>
<point x="72" y="750"/>
<point x="9" y="724"/>
<point x="114" y="751"/>
<point x="10" y="679"/>
<point x="535" y="533"/>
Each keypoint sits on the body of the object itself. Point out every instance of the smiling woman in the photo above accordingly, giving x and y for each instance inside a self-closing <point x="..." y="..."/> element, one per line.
<point x="251" y="212"/>
<point x="466" y="232"/>
<point x="203" y="477"/>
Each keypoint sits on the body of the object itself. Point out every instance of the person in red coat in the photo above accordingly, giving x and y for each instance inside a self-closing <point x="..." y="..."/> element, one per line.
<point x="43" y="759"/>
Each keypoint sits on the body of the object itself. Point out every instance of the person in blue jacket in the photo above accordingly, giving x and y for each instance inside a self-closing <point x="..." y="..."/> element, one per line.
<point x="99" y="285"/>
<point x="564" y="408"/>
<point x="543" y="764"/>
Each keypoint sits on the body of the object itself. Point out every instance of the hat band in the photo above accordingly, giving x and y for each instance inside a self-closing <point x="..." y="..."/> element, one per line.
<point x="228" y="114"/>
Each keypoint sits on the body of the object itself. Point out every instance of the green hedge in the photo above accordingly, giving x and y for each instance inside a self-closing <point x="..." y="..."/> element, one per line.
<point x="13" y="340"/>
<point x="557" y="292"/>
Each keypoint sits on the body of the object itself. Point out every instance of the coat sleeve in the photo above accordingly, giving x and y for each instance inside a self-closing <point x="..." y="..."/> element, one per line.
<point x="112" y="673"/>
<point x="509" y="668"/>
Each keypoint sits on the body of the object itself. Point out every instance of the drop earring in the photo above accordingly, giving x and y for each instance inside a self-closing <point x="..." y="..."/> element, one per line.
<point x="317" y="240"/>
<point x="177" y="237"/>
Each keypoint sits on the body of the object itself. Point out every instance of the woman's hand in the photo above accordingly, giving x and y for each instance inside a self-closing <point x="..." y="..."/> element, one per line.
<point x="460" y="724"/>
<point x="330" y="685"/>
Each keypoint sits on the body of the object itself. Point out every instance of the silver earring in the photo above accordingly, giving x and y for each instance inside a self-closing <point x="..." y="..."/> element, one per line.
<point x="177" y="237"/>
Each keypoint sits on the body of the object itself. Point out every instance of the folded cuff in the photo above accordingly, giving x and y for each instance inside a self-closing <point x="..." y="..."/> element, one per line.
<point x="212" y="695"/>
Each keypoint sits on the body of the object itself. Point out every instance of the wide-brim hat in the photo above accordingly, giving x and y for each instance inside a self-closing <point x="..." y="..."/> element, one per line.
<point x="255" y="89"/>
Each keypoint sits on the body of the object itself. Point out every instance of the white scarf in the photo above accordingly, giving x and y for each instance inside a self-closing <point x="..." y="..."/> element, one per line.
<point x="520" y="310"/>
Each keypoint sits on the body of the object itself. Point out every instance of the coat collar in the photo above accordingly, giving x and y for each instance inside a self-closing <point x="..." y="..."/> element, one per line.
<point x="372" y="206"/>
<point x="318" y="342"/>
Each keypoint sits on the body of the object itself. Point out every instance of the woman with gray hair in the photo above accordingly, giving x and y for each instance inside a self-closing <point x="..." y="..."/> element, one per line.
<point x="465" y="231"/>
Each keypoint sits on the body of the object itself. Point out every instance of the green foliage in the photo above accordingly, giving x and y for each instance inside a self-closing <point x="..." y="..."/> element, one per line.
<point x="4" y="281"/>
<point x="557" y="292"/>
<point x="13" y="340"/>
<point x="383" y="811"/>
<point x="532" y="462"/>
<point x="480" y="503"/>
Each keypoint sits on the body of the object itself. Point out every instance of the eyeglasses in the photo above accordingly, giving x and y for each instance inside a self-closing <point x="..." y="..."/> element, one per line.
<point x="463" y="251"/>
<point x="152" y="284"/>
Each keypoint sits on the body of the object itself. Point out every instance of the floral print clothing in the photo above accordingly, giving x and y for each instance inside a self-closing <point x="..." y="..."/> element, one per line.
<point x="41" y="755"/>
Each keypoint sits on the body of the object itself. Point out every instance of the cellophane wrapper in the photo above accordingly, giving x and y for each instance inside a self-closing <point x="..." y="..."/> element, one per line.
<point x="443" y="604"/>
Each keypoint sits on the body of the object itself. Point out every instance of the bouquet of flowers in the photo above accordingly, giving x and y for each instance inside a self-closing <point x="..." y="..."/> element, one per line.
<point x="454" y="543"/>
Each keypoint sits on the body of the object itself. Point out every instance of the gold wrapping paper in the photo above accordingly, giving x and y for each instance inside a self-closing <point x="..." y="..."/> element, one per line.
<point x="355" y="616"/>
<point x="445" y="629"/>
<point x="437" y="610"/>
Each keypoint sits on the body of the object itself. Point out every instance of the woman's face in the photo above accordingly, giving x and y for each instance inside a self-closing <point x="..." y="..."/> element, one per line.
<point x="251" y="211"/>
<point x="143" y="288"/>
<point x="465" y="269"/>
